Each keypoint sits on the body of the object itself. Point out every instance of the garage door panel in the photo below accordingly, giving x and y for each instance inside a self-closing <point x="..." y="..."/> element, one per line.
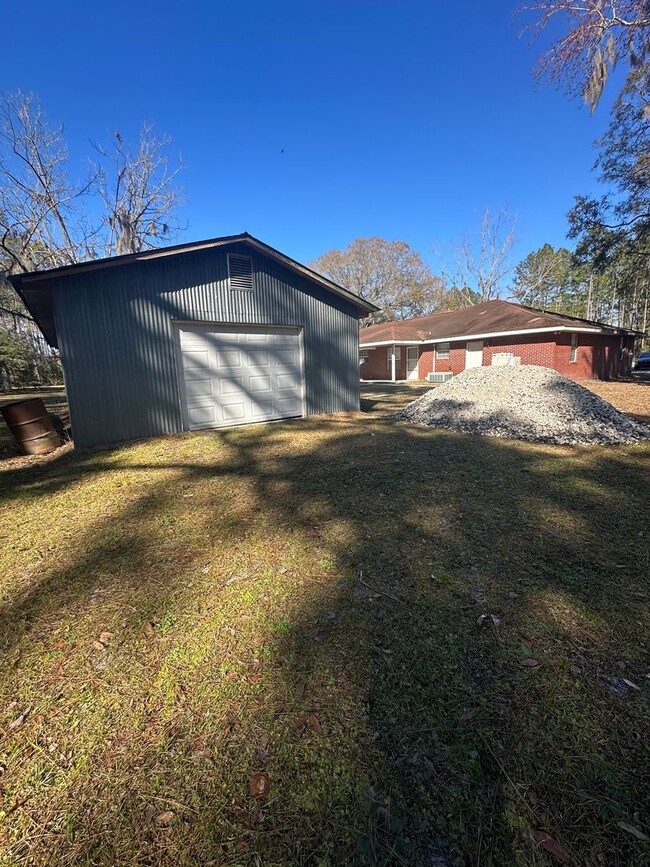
<point x="231" y="385"/>
<point x="289" y="405"/>
<point x="231" y="359"/>
<point x="287" y="380"/>
<point x="236" y="376"/>
<point x="286" y="358"/>
<point x="258" y="357"/>
<point x="202" y="416"/>
<point x="199" y="387"/>
<point x="262" y="409"/>
<point x="235" y="411"/>
<point x="195" y="363"/>
<point x="260" y="383"/>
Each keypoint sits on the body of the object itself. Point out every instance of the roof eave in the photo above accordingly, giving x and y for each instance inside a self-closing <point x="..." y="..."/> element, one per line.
<point x="178" y="249"/>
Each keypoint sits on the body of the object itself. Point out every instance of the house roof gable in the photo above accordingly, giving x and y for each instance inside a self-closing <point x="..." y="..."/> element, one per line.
<point x="35" y="287"/>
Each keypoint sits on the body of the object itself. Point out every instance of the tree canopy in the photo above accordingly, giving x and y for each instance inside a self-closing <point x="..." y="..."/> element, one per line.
<point x="387" y="273"/>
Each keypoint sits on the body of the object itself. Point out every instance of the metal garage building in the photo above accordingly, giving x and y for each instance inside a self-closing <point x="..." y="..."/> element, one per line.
<point x="203" y="335"/>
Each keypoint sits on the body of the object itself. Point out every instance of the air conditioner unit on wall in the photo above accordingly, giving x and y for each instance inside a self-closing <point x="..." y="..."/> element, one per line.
<point x="439" y="377"/>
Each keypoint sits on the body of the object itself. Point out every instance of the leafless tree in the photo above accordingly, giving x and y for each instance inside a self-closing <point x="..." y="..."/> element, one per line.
<point x="140" y="193"/>
<point x="478" y="266"/>
<point x="599" y="33"/>
<point x="41" y="222"/>
<point x="47" y="219"/>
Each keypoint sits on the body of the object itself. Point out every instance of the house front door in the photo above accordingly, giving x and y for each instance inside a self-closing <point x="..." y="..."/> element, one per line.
<point x="474" y="354"/>
<point x="412" y="353"/>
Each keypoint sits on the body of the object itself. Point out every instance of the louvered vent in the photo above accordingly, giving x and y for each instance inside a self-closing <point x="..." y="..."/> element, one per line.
<point x="240" y="272"/>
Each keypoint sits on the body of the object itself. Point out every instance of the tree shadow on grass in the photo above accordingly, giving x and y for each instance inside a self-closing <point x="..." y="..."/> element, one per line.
<point x="334" y="643"/>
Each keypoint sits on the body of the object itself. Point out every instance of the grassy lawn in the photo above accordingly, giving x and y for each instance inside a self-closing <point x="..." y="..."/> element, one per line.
<point x="302" y="600"/>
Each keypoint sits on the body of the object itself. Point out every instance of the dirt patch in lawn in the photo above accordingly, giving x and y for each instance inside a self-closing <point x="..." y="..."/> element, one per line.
<point x="431" y="646"/>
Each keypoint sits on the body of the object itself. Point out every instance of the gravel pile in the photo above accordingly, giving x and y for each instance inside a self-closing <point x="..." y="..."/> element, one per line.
<point x="527" y="403"/>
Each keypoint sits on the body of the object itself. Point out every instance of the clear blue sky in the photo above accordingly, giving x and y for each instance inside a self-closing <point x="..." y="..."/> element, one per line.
<point x="398" y="119"/>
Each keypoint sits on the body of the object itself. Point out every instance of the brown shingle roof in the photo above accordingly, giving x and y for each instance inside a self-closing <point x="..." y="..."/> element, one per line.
<point x="490" y="317"/>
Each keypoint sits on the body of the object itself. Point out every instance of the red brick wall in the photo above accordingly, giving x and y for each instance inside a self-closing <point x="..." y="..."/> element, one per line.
<point x="455" y="362"/>
<point x="532" y="349"/>
<point x="378" y="364"/>
<point x="598" y="356"/>
<point x="425" y="362"/>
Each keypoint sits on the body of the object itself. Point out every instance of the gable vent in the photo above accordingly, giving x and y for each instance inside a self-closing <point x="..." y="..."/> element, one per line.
<point x="240" y="272"/>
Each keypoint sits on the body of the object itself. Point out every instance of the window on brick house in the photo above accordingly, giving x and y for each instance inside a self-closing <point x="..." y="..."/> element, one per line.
<point x="364" y="354"/>
<point x="574" y="348"/>
<point x="442" y="350"/>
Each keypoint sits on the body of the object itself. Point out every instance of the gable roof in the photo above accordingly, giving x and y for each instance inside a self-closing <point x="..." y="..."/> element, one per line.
<point x="489" y="319"/>
<point x="35" y="287"/>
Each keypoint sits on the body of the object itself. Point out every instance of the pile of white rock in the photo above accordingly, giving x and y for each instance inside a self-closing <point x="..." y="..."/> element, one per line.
<point x="527" y="403"/>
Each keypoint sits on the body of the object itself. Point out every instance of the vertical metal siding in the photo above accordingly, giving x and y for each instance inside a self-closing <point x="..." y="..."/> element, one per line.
<point x="116" y="337"/>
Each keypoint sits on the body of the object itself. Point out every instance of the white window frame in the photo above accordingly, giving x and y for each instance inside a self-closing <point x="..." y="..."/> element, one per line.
<point x="573" y="356"/>
<point x="442" y="354"/>
<point x="364" y="355"/>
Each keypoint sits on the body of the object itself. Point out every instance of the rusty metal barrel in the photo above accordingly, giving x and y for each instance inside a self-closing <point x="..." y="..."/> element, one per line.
<point x="31" y="425"/>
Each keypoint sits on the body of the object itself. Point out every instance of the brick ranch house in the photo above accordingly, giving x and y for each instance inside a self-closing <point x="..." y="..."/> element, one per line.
<point x="448" y="343"/>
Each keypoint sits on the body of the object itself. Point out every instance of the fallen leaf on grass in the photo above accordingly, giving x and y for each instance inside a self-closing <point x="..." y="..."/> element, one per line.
<point x="630" y="683"/>
<point x="148" y="629"/>
<point x="19" y="721"/>
<point x="314" y="722"/>
<point x="308" y="720"/>
<point x="632" y="830"/>
<point x="205" y="753"/>
<point x="259" y="785"/>
<point x="97" y="645"/>
<point x="105" y="637"/>
<point x="495" y="620"/>
<point x="552" y="846"/>
<point x="530" y="662"/>
<point x="164" y="819"/>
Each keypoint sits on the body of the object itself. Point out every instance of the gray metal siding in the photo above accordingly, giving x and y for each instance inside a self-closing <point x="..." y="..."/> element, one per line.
<point x="116" y="336"/>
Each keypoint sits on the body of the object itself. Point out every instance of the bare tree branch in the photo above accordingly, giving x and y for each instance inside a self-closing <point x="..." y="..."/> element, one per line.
<point x="139" y="192"/>
<point x="600" y="33"/>
<point x="477" y="267"/>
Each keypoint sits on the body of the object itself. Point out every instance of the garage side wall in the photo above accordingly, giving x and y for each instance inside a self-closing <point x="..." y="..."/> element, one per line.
<point x="117" y="338"/>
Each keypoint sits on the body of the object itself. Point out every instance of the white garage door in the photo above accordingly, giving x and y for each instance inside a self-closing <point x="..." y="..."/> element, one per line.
<point x="239" y="375"/>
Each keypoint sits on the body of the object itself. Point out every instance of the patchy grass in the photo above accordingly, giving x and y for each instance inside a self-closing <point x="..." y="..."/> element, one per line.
<point x="302" y="600"/>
